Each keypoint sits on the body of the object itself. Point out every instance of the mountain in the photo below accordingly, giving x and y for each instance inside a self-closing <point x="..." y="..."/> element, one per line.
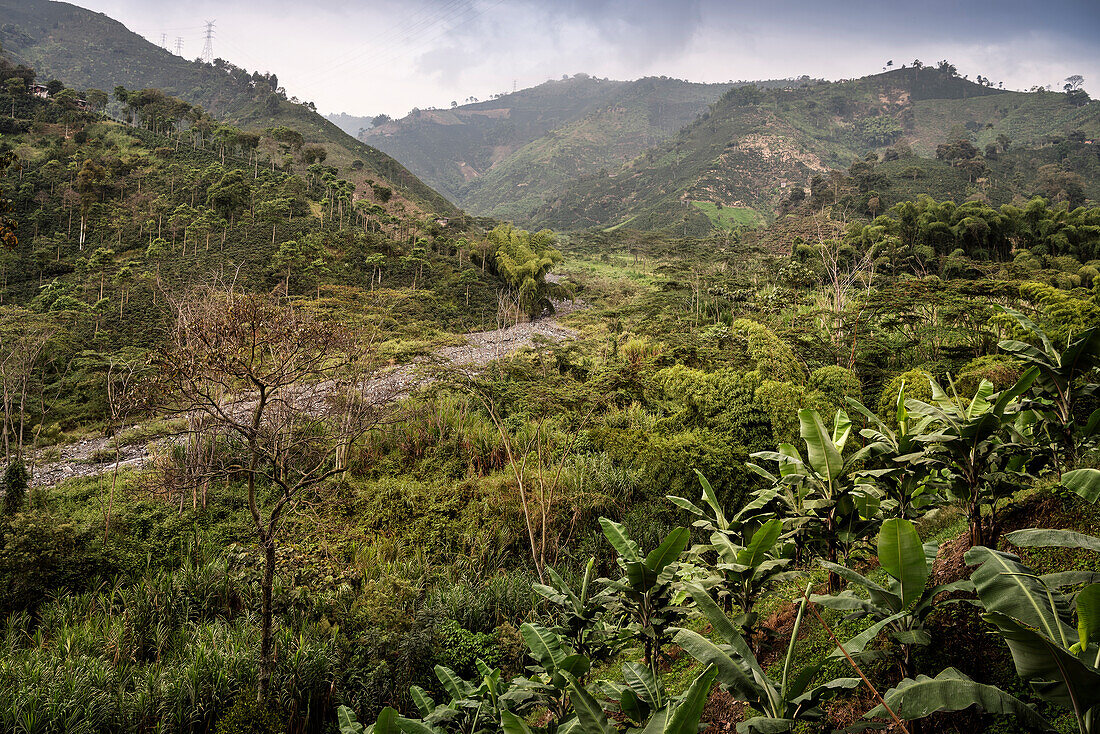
<point x="351" y="124"/>
<point x="506" y="156"/>
<point x="743" y="156"/>
<point x="85" y="49"/>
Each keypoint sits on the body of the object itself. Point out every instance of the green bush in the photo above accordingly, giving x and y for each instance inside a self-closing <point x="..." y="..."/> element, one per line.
<point x="460" y="649"/>
<point x="40" y="556"/>
<point x="916" y="387"/>
<point x="248" y="716"/>
<point x="16" y="483"/>
<point x="1001" y="370"/>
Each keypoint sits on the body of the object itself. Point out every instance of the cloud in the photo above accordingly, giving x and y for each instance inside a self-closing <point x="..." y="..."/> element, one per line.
<point x="391" y="55"/>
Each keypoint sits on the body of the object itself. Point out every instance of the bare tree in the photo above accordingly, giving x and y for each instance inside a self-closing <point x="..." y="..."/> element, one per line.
<point x="125" y="379"/>
<point x="23" y="340"/>
<point x="848" y="274"/>
<point x="537" y="471"/>
<point x="285" y="393"/>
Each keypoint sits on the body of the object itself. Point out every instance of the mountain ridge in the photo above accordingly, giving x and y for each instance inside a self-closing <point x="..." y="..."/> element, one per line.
<point x="753" y="147"/>
<point x="86" y="49"/>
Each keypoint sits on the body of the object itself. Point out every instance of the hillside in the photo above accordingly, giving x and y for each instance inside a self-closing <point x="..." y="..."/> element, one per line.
<point x="491" y="156"/>
<point x="85" y="49"/>
<point x="754" y="146"/>
<point x="269" y="467"/>
<point x="351" y="124"/>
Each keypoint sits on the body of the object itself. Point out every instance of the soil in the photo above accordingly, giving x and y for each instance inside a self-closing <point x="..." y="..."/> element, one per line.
<point x="722" y="713"/>
<point x="950" y="565"/>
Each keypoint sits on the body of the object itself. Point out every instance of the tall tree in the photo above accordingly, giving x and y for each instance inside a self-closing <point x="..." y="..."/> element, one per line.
<point x="285" y="388"/>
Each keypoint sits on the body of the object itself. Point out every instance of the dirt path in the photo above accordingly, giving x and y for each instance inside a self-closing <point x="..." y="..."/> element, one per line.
<point x="92" y="457"/>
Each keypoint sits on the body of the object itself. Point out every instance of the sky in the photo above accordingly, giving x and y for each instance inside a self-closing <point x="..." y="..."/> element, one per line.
<point x="366" y="57"/>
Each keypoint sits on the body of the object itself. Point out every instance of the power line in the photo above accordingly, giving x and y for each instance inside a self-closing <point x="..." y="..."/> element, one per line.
<point x="208" y="48"/>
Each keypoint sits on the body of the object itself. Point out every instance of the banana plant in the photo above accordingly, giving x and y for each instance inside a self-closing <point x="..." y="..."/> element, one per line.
<point x="1053" y="636"/>
<point x="388" y="722"/>
<point x="899" y="606"/>
<point x="675" y="716"/>
<point x="974" y="441"/>
<point x="910" y="488"/>
<point x="824" y="499"/>
<point x="643" y="595"/>
<point x="639" y="695"/>
<point x="474" y="705"/>
<point x="1085" y="482"/>
<point x="578" y="609"/>
<point x="642" y="698"/>
<point x="556" y="665"/>
<point x="743" y="549"/>
<point x="951" y="690"/>
<point x="1060" y="372"/>
<point x="786" y="702"/>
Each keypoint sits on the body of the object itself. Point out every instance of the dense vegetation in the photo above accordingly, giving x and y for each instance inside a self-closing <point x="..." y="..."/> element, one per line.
<point x="910" y="131"/>
<point x="506" y="156"/>
<point x="834" y="470"/>
<point x="89" y="50"/>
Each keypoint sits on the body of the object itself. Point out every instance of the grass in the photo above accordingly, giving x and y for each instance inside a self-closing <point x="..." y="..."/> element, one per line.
<point x="729" y="217"/>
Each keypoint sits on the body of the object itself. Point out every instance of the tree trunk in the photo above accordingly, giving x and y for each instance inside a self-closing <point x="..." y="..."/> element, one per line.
<point x="834" y="579"/>
<point x="976" y="534"/>
<point x="267" y="658"/>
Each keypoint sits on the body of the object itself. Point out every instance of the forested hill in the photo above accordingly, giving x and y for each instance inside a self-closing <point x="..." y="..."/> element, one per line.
<point x="351" y="124"/>
<point x="745" y="155"/>
<point x="85" y="49"/>
<point x="502" y="156"/>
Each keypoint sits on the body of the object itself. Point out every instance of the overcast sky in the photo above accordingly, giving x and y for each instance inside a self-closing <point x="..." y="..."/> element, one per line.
<point x="366" y="57"/>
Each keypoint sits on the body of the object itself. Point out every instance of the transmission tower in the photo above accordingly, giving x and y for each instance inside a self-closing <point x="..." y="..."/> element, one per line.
<point x="208" y="49"/>
<point x="179" y="46"/>
<point x="164" y="41"/>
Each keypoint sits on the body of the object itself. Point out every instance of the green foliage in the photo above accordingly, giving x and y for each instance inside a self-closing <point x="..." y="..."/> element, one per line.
<point x="983" y="233"/>
<point x="745" y="560"/>
<point x="899" y="608"/>
<point x="976" y="443"/>
<point x="461" y="649"/>
<point x="952" y="691"/>
<point x="827" y="505"/>
<point x="16" y="482"/>
<point x="910" y="489"/>
<point x="643" y="595"/>
<point x="248" y="716"/>
<point x="769" y="356"/>
<point x="524" y="259"/>
<point x="784" y="702"/>
<point x="578" y="608"/>
<point x="1061" y="381"/>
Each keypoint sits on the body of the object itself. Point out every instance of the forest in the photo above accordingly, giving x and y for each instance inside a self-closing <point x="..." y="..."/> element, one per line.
<point x="836" y="472"/>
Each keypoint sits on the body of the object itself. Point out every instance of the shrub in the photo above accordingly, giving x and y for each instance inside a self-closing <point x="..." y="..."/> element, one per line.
<point x="16" y="482"/>
<point x="248" y="716"/>
<point x="834" y="384"/>
<point x="460" y="649"/>
<point x="916" y="387"/>
<point x="40" y="556"/>
<point x="1001" y="370"/>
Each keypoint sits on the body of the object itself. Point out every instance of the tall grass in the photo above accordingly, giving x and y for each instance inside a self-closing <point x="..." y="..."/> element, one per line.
<point x="167" y="652"/>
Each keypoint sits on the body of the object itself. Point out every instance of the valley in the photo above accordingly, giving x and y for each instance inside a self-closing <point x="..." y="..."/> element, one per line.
<point x="595" y="407"/>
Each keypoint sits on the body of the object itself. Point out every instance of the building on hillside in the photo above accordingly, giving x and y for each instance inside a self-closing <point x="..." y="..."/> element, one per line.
<point x="40" y="90"/>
